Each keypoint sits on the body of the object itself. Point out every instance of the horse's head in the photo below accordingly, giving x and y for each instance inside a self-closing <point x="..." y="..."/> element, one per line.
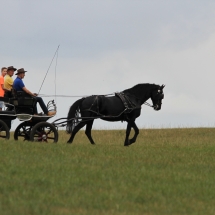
<point x="157" y="96"/>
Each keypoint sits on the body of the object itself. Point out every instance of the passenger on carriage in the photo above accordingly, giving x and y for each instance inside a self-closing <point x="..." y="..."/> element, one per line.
<point x="8" y="81"/>
<point x="3" y="73"/>
<point x="18" y="85"/>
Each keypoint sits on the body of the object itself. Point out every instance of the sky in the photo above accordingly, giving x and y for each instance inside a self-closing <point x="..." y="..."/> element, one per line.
<point x="111" y="45"/>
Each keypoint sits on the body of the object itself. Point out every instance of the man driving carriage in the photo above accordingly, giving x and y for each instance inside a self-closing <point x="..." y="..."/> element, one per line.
<point x="18" y="85"/>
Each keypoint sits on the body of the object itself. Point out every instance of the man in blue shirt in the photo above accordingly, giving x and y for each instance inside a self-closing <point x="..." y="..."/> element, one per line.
<point x="18" y="85"/>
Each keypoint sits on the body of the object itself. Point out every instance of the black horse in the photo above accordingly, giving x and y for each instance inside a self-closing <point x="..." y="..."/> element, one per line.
<point x="124" y="106"/>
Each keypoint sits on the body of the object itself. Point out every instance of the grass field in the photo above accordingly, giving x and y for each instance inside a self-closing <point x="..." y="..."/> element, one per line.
<point x="167" y="171"/>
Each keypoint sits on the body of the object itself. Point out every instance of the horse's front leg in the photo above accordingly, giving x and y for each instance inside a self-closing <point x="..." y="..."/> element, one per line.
<point x="128" y="130"/>
<point x="136" y="132"/>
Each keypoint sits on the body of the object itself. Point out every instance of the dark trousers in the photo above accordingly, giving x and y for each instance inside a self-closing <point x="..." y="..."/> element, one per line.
<point x="8" y="94"/>
<point x="42" y="105"/>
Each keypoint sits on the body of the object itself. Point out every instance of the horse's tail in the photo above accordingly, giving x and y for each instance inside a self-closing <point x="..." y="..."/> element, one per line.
<point x="72" y="114"/>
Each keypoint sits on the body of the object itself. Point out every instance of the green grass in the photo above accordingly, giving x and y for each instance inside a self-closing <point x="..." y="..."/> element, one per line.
<point x="167" y="171"/>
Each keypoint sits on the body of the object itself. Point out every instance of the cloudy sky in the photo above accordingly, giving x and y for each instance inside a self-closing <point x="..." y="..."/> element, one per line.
<point x="111" y="45"/>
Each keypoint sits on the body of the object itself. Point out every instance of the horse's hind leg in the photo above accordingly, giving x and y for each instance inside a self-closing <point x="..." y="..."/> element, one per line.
<point x="88" y="131"/>
<point x="75" y="130"/>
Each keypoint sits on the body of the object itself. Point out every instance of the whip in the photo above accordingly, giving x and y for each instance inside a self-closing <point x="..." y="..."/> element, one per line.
<point x="56" y="53"/>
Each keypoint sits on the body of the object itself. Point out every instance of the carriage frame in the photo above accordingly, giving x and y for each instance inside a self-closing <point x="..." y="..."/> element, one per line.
<point x="32" y="127"/>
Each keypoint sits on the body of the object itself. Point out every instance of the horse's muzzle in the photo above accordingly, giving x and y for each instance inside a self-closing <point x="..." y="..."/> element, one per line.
<point x="157" y="107"/>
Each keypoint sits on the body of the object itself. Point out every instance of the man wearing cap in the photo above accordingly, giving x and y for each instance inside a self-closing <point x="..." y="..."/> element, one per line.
<point x="8" y="81"/>
<point x="18" y="85"/>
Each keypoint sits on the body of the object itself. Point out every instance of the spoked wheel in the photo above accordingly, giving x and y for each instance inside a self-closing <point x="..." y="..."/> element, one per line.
<point x="4" y="130"/>
<point x="22" y="132"/>
<point x="44" y="132"/>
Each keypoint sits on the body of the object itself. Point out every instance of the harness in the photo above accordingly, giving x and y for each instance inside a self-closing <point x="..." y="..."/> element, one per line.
<point x="129" y="105"/>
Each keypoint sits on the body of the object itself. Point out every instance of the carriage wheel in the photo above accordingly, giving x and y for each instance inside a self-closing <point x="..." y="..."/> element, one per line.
<point x="44" y="132"/>
<point x="22" y="132"/>
<point x="4" y="130"/>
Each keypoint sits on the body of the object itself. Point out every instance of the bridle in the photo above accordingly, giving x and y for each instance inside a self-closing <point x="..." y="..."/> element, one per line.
<point x="160" y="95"/>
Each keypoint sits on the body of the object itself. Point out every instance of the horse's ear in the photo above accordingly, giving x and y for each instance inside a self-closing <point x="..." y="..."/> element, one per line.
<point x="161" y="88"/>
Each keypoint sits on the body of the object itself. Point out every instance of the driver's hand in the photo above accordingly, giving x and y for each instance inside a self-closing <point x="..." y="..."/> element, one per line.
<point x="35" y="94"/>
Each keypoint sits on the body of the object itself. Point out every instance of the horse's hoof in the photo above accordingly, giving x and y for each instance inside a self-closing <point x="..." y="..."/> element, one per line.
<point x="128" y="143"/>
<point x="69" y="142"/>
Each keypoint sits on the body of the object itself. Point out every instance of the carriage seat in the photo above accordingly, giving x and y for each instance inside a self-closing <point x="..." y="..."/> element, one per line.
<point x="23" y="102"/>
<point x="21" y="98"/>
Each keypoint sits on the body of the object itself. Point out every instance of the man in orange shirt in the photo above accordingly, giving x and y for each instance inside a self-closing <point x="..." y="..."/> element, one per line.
<point x="3" y="73"/>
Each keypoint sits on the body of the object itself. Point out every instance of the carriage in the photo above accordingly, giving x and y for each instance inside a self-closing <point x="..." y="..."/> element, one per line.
<point x="32" y="127"/>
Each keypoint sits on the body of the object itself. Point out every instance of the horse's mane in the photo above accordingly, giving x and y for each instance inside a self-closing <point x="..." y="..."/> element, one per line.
<point x="139" y="89"/>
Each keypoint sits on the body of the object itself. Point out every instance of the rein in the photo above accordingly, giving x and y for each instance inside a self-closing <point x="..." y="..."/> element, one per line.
<point x="72" y="96"/>
<point x="84" y="96"/>
<point x="146" y="103"/>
